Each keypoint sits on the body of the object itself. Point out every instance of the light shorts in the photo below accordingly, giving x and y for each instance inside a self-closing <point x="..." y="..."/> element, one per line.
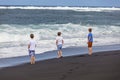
<point x="89" y="44"/>
<point x="32" y="53"/>
<point x="59" y="47"/>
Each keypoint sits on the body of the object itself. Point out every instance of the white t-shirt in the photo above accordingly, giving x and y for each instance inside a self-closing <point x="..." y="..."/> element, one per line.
<point x="32" y="44"/>
<point x="59" y="39"/>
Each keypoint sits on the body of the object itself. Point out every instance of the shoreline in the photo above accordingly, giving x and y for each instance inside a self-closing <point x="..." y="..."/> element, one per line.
<point x="70" y="51"/>
<point x="100" y="66"/>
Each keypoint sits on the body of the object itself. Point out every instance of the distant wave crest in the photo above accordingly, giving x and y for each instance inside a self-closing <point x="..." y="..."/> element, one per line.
<point x="62" y="8"/>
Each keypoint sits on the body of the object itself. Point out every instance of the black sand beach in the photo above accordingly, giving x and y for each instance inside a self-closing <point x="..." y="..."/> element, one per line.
<point x="99" y="66"/>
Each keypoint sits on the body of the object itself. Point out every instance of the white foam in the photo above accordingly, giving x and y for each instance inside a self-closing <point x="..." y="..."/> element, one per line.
<point x="62" y="8"/>
<point x="15" y="37"/>
<point x="48" y="31"/>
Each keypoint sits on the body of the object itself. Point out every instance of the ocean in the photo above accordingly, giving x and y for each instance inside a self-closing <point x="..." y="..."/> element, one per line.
<point x="18" y="22"/>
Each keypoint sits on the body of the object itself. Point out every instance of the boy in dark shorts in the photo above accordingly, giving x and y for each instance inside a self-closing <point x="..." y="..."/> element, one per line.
<point x="31" y="48"/>
<point x="59" y="44"/>
<point x="90" y="41"/>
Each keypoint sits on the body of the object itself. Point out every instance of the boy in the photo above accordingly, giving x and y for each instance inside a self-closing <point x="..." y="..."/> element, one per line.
<point x="90" y="41"/>
<point x="59" y="44"/>
<point x="31" y="48"/>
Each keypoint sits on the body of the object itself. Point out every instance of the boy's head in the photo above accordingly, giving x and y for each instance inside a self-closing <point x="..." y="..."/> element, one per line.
<point x="90" y="29"/>
<point x="59" y="33"/>
<point x="32" y="36"/>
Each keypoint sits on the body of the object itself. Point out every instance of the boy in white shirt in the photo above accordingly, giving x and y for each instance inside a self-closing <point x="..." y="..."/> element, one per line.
<point x="31" y="48"/>
<point x="59" y="44"/>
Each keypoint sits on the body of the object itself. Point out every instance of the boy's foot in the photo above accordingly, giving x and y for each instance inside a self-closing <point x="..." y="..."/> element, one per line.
<point x="61" y="57"/>
<point x="90" y="54"/>
<point x="33" y="63"/>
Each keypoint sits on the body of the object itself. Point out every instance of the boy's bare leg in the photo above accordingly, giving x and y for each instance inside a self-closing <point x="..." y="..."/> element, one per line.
<point x="90" y="50"/>
<point x="60" y="53"/>
<point x="32" y="60"/>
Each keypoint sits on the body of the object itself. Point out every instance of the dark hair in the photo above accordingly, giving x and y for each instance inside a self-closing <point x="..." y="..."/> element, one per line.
<point x="90" y="29"/>
<point x="31" y="35"/>
<point x="59" y="33"/>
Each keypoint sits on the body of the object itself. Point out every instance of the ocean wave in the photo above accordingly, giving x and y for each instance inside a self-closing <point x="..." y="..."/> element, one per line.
<point x="49" y="45"/>
<point x="49" y="31"/>
<point x="98" y="9"/>
<point x="15" y="37"/>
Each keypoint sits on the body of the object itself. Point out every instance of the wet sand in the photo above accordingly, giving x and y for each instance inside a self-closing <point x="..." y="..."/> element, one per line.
<point x="99" y="66"/>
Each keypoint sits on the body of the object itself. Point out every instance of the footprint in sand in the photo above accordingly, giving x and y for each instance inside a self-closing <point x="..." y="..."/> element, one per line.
<point x="70" y="71"/>
<point x="63" y="77"/>
<point x="77" y="67"/>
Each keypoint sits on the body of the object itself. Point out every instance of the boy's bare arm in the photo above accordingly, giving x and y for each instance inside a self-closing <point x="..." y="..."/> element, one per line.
<point x="62" y="41"/>
<point x="28" y="46"/>
<point x="56" y="42"/>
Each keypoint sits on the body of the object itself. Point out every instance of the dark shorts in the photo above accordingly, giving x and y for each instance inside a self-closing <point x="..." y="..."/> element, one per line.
<point x="32" y="53"/>
<point x="59" y="47"/>
<point x="89" y="44"/>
